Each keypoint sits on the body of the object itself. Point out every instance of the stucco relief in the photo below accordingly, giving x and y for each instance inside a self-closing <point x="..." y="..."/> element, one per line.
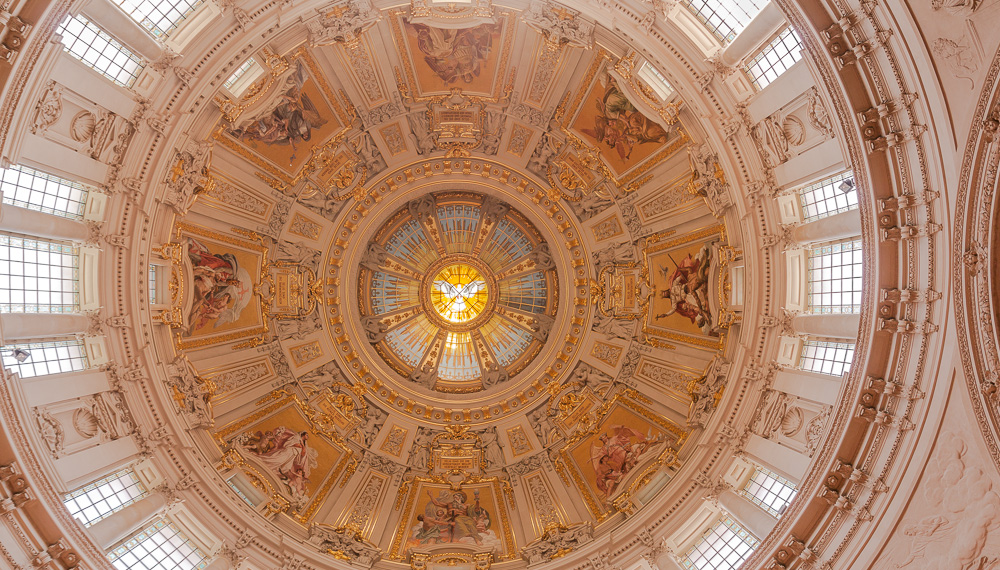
<point x="957" y="524"/>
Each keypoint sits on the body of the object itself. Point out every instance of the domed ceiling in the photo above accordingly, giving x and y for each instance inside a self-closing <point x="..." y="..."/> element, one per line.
<point x="444" y="276"/>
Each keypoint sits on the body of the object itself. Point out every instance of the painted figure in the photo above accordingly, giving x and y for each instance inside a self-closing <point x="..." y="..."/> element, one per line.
<point x="287" y="454"/>
<point x="455" y="55"/>
<point x="615" y="453"/>
<point x="222" y="289"/>
<point x="621" y="126"/>
<point x="290" y="119"/>
<point x="687" y="289"/>
<point x="450" y="517"/>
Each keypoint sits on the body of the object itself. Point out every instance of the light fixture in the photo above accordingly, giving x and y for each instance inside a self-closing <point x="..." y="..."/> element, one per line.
<point x="20" y="355"/>
<point x="846" y="186"/>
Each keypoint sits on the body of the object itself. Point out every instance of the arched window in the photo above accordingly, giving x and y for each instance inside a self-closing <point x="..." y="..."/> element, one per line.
<point x="774" y="59"/>
<point x="99" y="499"/>
<point x="38" y="276"/>
<point x="769" y="491"/>
<point x="31" y="359"/>
<point x="826" y="357"/>
<point x="35" y="190"/>
<point x="159" y="546"/>
<point x="829" y="196"/>
<point x="834" y="272"/>
<point x="725" y="18"/>
<point x="104" y="54"/>
<point x="159" y="17"/>
<point x="723" y="547"/>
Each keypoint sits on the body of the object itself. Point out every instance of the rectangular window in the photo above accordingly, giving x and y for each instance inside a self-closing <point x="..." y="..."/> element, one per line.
<point x="160" y="17"/>
<point x="725" y="18"/>
<point x="656" y="81"/>
<point x="769" y="491"/>
<point x="774" y="59"/>
<point x="160" y="546"/>
<point x="101" y="498"/>
<point x="41" y="358"/>
<point x="28" y="188"/>
<point x="829" y="196"/>
<point x="724" y="547"/>
<point x="835" y="277"/>
<point x="38" y="276"/>
<point x="94" y="47"/>
<point x="833" y="358"/>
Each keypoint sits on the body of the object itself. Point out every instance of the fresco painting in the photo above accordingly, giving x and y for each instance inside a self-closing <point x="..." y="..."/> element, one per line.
<point x="683" y="291"/>
<point x="287" y="448"/>
<point x="220" y="279"/>
<point x="611" y="123"/>
<point x="614" y="451"/>
<point x="287" y="126"/>
<point x="442" y="515"/>
<point x="446" y="58"/>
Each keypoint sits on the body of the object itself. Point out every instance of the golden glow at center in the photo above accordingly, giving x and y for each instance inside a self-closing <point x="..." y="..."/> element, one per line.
<point x="459" y="293"/>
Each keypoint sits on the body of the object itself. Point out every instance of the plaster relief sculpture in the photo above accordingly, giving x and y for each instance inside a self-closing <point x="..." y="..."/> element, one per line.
<point x="420" y="453"/>
<point x="957" y="523"/>
<point x="374" y="257"/>
<point x="611" y="327"/>
<point x="542" y="424"/>
<point x="493" y="131"/>
<point x="541" y="158"/>
<point x="343" y="25"/>
<point x="192" y="394"/>
<point x="556" y="542"/>
<point x="299" y="253"/>
<point x="423" y="138"/>
<point x="592" y="203"/>
<point x="369" y="153"/>
<point x="374" y="328"/>
<point x="48" y="109"/>
<point x="960" y="56"/>
<point x="345" y="544"/>
<point x="189" y="177"/>
<point x="492" y="450"/>
<point x="619" y="252"/>
<point x="706" y="393"/>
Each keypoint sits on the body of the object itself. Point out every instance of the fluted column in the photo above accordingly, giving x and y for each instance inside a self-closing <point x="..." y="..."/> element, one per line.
<point x="22" y="326"/>
<point x="758" y="30"/>
<point x="827" y="325"/>
<point x="116" y="22"/>
<point x="751" y="517"/>
<point x="110" y="530"/>
<point x="831" y="228"/>
<point x="38" y="224"/>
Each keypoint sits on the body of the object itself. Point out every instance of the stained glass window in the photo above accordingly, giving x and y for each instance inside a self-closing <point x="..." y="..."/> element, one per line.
<point x="461" y="283"/>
